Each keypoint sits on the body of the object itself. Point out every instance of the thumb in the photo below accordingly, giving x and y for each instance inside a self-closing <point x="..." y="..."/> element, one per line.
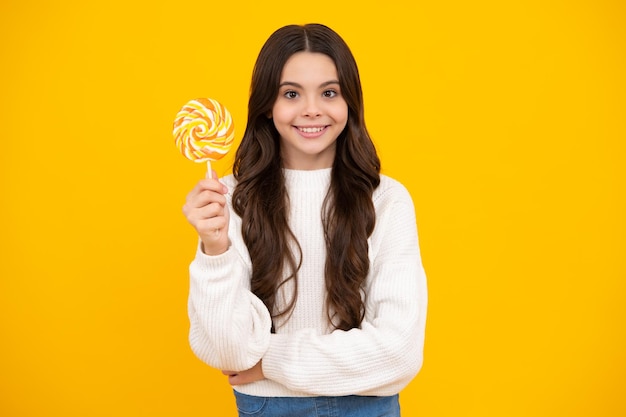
<point x="210" y="174"/>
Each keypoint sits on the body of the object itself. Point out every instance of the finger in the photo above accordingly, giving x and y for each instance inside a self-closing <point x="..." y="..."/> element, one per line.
<point x="235" y="380"/>
<point x="207" y="185"/>
<point x="241" y="379"/>
<point x="211" y="174"/>
<point x="197" y="210"/>
<point x="208" y="211"/>
<point x="209" y="227"/>
<point x="203" y="205"/>
<point x="199" y="214"/>
<point x="206" y="197"/>
<point x="212" y="184"/>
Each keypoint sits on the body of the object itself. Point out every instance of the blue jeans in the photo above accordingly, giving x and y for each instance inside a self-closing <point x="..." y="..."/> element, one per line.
<point x="350" y="406"/>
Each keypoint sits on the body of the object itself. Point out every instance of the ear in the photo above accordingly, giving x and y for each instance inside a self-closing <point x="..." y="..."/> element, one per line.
<point x="269" y="114"/>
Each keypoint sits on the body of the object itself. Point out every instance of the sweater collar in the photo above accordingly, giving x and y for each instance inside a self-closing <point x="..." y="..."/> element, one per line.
<point x="301" y="179"/>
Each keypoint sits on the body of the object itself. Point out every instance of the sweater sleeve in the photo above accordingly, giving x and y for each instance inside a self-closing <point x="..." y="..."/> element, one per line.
<point x="385" y="353"/>
<point x="229" y="326"/>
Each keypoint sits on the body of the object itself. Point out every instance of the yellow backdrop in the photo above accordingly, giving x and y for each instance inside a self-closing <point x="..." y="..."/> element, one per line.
<point x="506" y="121"/>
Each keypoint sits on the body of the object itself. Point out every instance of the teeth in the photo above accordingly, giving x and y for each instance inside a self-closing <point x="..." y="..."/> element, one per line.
<point x="311" y="129"/>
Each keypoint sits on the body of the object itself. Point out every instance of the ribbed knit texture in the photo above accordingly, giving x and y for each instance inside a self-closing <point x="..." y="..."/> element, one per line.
<point x="230" y="327"/>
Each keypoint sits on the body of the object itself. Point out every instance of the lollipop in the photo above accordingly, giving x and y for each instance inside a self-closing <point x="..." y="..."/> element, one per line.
<point x="204" y="131"/>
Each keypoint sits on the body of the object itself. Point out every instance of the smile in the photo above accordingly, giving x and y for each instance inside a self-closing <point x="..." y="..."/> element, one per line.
<point x="311" y="129"/>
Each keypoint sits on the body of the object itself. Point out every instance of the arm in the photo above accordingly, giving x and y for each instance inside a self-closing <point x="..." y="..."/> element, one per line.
<point x="383" y="355"/>
<point x="230" y="327"/>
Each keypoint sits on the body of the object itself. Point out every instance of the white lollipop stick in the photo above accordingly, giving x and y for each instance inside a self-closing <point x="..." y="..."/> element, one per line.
<point x="209" y="173"/>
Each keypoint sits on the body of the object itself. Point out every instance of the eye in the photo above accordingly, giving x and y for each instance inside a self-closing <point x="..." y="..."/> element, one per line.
<point x="330" y="93"/>
<point x="290" y="94"/>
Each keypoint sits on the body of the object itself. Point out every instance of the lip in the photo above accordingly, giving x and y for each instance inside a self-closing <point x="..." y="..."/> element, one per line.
<point x="311" y="132"/>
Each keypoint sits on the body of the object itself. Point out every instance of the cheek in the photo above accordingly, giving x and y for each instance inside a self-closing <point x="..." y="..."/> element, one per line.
<point x="340" y="113"/>
<point x="281" y="114"/>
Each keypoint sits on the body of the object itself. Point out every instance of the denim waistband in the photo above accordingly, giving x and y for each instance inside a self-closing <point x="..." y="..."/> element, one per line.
<point x="349" y="406"/>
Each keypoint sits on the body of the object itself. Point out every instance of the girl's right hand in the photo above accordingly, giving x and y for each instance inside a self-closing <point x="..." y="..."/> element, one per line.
<point x="207" y="211"/>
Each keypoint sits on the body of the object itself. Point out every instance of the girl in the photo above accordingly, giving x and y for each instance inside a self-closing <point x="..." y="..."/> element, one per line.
<point x="307" y="288"/>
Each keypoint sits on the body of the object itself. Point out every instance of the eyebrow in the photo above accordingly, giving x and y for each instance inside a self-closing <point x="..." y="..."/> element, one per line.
<point x="293" y="84"/>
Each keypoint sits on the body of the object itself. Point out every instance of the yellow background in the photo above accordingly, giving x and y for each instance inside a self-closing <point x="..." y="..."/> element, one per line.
<point x="506" y="121"/>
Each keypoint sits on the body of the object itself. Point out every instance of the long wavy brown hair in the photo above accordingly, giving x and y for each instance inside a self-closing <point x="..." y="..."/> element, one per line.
<point x="261" y="200"/>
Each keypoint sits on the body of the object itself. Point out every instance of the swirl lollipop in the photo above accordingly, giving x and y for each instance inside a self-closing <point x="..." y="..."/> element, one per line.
<point x="204" y="131"/>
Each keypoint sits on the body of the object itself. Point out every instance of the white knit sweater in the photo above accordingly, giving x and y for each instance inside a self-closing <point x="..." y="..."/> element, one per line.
<point x="230" y="326"/>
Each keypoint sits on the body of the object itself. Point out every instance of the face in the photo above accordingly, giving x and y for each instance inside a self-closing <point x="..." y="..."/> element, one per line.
<point x="310" y="111"/>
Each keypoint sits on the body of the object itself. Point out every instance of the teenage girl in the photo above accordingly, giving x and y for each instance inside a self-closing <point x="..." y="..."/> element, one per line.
<point x="307" y="288"/>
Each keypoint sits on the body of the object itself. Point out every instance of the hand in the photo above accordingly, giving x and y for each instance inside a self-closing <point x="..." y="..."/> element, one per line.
<point x="245" y="377"/>
<point x="206" y="210"/>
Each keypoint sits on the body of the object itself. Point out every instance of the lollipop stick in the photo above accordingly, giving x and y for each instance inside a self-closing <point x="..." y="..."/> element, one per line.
<point x="209" y="173"/>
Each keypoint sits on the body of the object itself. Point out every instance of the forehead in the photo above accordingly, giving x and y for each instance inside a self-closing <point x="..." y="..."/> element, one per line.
<point x="309" y="66"/>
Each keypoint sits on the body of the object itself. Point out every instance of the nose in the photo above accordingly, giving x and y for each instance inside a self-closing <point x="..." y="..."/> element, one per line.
<point x="311" y="107"/>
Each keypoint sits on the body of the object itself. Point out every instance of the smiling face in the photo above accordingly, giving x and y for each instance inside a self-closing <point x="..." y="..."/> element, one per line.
<point x="309" y="112"/>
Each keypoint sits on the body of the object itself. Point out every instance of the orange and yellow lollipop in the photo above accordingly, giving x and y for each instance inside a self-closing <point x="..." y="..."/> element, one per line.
<point x="204" y="131"/>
